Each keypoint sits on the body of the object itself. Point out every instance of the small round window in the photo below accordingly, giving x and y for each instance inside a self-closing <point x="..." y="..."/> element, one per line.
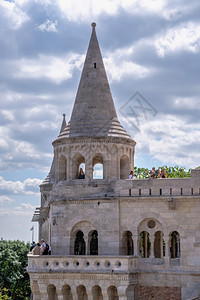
<point x="151" y="224"/>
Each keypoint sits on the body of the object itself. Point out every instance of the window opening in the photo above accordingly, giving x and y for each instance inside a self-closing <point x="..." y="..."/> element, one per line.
<point x="175" y="245"/>
<point x="79" y="244"/>
<point x="95" y="65"/>
<point x="98" y="171"/>
<point x="145" y="244"/>
<point x="94" y="243"/>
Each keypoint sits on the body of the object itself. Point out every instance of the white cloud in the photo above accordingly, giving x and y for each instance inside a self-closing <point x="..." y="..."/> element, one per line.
<point x="183" y="37"/>
<point x="29" y="186"/>
<point x="170" y="139"/>
<point x="119" y="64"/>
<point x="53" y="68"/>
<point x="25" y="209"/>
<point x="5" y="199"/>
<point x="48" y="26"/>
<point x="13" y="14"/>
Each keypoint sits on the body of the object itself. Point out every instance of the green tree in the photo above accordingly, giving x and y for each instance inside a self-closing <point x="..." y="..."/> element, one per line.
<point x="14" y="280"/>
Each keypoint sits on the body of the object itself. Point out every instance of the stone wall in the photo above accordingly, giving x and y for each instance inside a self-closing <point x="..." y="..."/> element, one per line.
<point x="157" y="293"/>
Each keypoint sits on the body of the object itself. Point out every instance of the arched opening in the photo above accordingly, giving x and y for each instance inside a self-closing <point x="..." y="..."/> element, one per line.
<point x="175" y="245"/>
<point x="127" y="247"/>
<point x="124" y="167"/>
<point x="79" y="244"/>
<point x="78" y="162"/>
<point x="145" y="244"/>
<point x="93" y="242"/>
<point x="98" y="169"/>
<point x="66" y="292"/>
<point x="159" y="245"/>
<point x="81" y="292"/>
<point x="51" y="291"/>
<point x="97" y="293"/>
<point x="62" y="174"/>
<point x="112" y="293"/>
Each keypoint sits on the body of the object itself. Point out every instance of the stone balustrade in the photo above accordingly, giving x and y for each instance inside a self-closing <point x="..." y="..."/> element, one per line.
<point x="97" y="264"/>
<point x="159" y="187"/>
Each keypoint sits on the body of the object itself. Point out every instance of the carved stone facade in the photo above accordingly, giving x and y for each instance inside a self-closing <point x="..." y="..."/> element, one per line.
<point x="112" y="238"/>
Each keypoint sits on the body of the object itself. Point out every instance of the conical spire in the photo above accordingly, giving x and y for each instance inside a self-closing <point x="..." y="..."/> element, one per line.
<point x="63" y="123"/>
<point x="94" y="113"/>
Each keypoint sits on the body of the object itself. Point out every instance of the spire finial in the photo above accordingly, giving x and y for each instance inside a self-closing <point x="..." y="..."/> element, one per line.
<point x="93" y="25"/>
<point x="64" y="116"/>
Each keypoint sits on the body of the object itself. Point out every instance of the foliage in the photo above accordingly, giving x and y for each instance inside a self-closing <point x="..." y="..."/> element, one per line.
<point x="172" y="172"/>
<point x="14" y="280"/>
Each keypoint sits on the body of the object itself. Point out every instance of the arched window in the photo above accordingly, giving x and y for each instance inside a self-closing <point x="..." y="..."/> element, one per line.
<point x="175" y="245"/>
<point x="93" y="240"/>
<point x="79" y="244"/>
<point x="62" y="174"/>
<point x="66" y="292"/>
<point x="78" y="162"/>
<point x="81" y="292"/>
<point x="97" y="293"/>
<point x="51" y="291"/>
<point x="124" y="167"/>
<point x="145" y="244"/>
<point x="127" y="244"/>
<point x="159" y="245"/>
<point x="112" y="293"/>
<point x="98" y="170"/>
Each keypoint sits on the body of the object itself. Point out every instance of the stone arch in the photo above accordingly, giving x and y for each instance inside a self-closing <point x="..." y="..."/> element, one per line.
<point x="148" y="216"/>
<point x="175" y="250"/>
<point x="126" y="244"/>
<point x="124" y="167"/>
<point x="112" y="293"/>
<point x="93" y="242"/>
<point x="85" y="227"/>
<point x="81" y="292"/>
<point x="97" y="293"/>
<point x="62" y="168"/>
<point x="51" y="291"/>
<point x="77" y="160"/>
<point x="66" y="292"/>
<point x="98" y="163"/>
<point x="159" y="245"/>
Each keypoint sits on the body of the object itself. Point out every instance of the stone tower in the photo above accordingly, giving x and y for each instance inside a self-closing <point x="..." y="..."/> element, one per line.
<point x="111" y="238"/>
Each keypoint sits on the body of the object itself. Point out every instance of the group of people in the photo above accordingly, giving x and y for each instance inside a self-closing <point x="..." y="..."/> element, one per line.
<point x="40" y="248"/>
<point x="151" y="174"/>
<point x="156" y="173"/>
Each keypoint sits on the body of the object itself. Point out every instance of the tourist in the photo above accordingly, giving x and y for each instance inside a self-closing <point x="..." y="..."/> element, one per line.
<point x="153" y="173"/>
<point x="163" y="174"/>
<point x="43" y="247"/>
<point x="81" y="174"/>
<point x="36" y="250"/>
<point x="158" y="173"/>
<point x="33" y="244"/>
<point x="131" y="175"/>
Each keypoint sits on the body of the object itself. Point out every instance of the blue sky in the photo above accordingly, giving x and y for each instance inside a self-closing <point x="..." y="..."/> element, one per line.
<point x="151" y="51"/>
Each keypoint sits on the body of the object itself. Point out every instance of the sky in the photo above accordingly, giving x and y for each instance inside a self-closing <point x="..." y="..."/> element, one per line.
<point x="151" y="52"/>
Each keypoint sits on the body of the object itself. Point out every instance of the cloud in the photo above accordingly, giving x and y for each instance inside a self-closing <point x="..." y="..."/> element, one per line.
<point x="119" y="64"/>
<point x="48" y="26"/>
<point x="25" y="209"/>
<point x="30" y="186"/>
<point x="170" y="139"/>
<point x="14" y="17"/>
<point x="5" y="199"/>
<point x="53" y="68"/>
<point x="185" y="37"/>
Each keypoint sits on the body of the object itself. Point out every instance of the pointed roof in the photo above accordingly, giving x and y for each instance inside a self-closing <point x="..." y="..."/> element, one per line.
<point x="94" y="113"/>
<point x="63" y="124"/>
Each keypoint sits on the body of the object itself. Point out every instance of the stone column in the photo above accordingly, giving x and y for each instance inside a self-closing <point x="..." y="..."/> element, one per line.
<point x="135" y="244"/>
<point x="122" y="292"/>
<point x="161" y="245"/>
<point x="105" y="294"/>
<point x="74" y="293"/>
<point x="152" y="246"/>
